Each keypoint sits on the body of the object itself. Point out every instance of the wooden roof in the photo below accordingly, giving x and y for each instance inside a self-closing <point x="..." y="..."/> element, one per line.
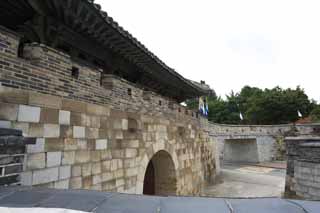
<point x="81" y="26"/>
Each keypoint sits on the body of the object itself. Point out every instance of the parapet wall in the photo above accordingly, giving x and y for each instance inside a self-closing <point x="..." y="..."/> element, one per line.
<point x="95" y="131"/>
<point x="303" y="170"/>
<point x="264" y="142"/>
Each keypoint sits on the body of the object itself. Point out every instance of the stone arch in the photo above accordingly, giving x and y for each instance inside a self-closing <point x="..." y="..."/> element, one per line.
<point x="154" y="154"/>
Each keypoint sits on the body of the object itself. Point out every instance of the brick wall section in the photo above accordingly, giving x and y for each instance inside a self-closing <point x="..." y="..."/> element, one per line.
<point x="48" y="71"/>
<point x="303" y="172"/>
<point x="92" y="136"/>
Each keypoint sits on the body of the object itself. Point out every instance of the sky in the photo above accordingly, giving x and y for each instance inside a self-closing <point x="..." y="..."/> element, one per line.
<point x="230" y="43"/>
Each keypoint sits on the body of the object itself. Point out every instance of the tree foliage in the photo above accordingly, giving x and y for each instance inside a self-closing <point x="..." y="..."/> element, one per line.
<point x="268" y="106"/>
<point x="315" y="114"/>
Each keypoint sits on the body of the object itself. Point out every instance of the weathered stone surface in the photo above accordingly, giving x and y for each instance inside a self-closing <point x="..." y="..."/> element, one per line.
<point x="36" y="130"/>
<point x="73" y="106"/>
<point x="29" y="114"/>
<point x="96" y="168"/>
<point x="130" y="153"/>
<point x="66" y="131"/>
<point x="8" y="112"/>
<point x="101" y="144"/>
<point x="45" y="176"/>
<point x="82" y="144"/>
<point x="62" y="184"/>
<point x="76" y="171"/>
<point x="49" y="116"/>
<point x="26" y="178"/>
<point x="64" y="172"/>
<point x="97" y="110"/>
<point x="64" y="117"/>
<point x="53" y="159"/>
<point x="42" y="100"/>
<point x="70" y="144"/>
<point x="53" y="144"/>
<point x="79" y="132"/>
<point x="36" y="161"/>
<point x="82" y="156"/>
<point x="68" y="158"/>
<point x="51" y="131"/>
<point x="92" y="133"/>
<point x="76" y="183"/>
<point x="86" y="169"/>
<point x="36" y="148"/>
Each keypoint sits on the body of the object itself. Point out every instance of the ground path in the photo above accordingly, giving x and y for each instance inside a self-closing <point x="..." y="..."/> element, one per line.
<point x="248" y="181"/>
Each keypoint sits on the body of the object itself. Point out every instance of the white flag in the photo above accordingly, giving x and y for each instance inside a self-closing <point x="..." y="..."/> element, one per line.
<point x="241" y="117"/>
<point x="299" y="114"/>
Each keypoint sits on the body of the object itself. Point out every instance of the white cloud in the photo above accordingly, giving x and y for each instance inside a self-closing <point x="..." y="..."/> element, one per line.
<point x="230" y="43"/>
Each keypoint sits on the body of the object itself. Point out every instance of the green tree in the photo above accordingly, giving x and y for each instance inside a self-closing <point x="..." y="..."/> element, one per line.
<point x="268" y="106"/>
<point x="315" y="114"/>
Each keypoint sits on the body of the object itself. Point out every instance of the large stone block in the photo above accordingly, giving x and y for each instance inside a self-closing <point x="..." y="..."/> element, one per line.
<point x="95" y="156"/>
<point x="81" y="144"/>
<point x="106" y="166"/>
<point x="101" y="144"/>
<point x="83" y="156"/>
<point x="131" y="153"/>
<point x="29" y="114"/>
<point x="76" y="183"/>
<point x="87" y="182"/>
<point x="70" y="144"/>
<point x="96" y="168"/>
<point x="54" y="144"/>
<point x="124" y="124"/>
<point x="8" y="95"/>
<point x="79" y="132"/>
<point x="64" y="117"/>
<point x="76" y="171"/>
<point x="96" y="179"/>
<point x="106" y="176"/>
<point x="26" y="178"/>
<point x="74" y="106"/>
<point x="131" y="172"/>
<point x="66" y="131"/>
<point x="49" y="116"/>
<point x="8" y="112"/>
<point x="51" y="131"/>
<point x="42" y="100"/>
<point x="36" y="130"/>
<point x="92" y="133"/>
<point x="76" y="119"/>
<point x="62" y="184"/>
<point x="36" y="148"/>
<point x="24" y="127"/>
<point x="45" y="176"/>
<point x="53" y="159"/>
<point x="86" y="169"/>
<point x="97" y="110"/>
<point x="64" y="172"/>
<point x="68" y="158"/>
<point x="36" y="161"/>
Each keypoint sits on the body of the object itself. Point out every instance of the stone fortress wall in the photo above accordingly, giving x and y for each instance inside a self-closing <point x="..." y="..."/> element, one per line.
<point x="255" y="143"/>
<point x="97" y="131"/>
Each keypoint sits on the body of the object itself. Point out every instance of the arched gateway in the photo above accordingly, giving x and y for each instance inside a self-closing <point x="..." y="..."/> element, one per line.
<point x="160" y="176"/>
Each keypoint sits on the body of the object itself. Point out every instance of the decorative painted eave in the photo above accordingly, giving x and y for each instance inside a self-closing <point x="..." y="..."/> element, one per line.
<point x="86" y="18"/>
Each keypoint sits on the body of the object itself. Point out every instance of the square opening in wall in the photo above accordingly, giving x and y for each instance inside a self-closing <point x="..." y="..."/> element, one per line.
<point x="129" y="91"/>
<point x="75" y="72"/>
